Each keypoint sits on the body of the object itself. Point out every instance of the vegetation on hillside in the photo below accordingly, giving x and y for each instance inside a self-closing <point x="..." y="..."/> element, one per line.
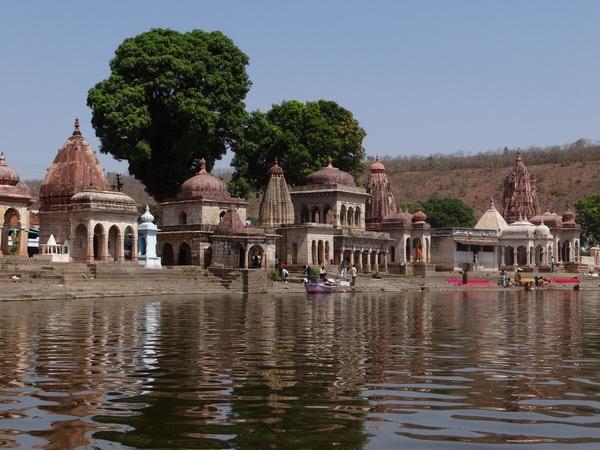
<point x="445" y="212"/>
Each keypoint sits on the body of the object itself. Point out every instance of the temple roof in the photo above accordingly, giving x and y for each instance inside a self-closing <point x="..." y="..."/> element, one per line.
<point x="381" y="202"/>
<point x="491" y="219"/>
<point x="10" y="183"/>
<point x="74" y="169"/>
<point x="330" y="175"/>
<point x="231" y="225"/>
<point x="520" y="196"/>
<point x="276" y="207"/>
<point x="203" y="185"/>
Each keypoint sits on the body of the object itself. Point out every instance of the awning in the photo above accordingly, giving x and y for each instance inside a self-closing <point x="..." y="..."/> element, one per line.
<point x="479" y="242"/>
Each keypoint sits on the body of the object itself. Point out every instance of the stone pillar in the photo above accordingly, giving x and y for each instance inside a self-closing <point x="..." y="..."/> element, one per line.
<point x="376" y="260"/>
<point x="385" y="261"/>
<point x="23" y="238"/>
<point x="104" y="253"/>
<point x="246" y="253"/>
<point x="134" y="247"/>
<point x="120" y="250"/>
<point x="352" y="257"/>
<point x="342" y="255"/>
<point x="369" y="253"/>
<point x="89" y="257"/>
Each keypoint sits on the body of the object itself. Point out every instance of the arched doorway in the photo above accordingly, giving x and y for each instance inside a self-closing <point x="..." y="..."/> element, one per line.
<point x="207" y="257"/>
<point x="327" y="215"/>
<point x="167" y="255"/>
<point x="184" y="256"/>
<point x="392" y="253"/>
<point x="357" y="216"/>
<point x="182" y="218"/>
<point x="256" y="257"/>
<point x="327" y="253"/>
<point x="128" y="243"/>
<point x="79" y="246"/>
<point x="521" y="256"/>
<point x="316" y="215"/>
<point x="10" y="232"/>
<point x="350" y="218"/>
<point x="343" y="215"/>
<point x="568" y="256"/>
<point x="320" y="250"/>
<point x="509" y="256"/>
<point x="113" y="243"/>
<point x="417" y="249"/>
<point x="304" y="216"/>
<point x="99" y="238"/>
<point x="408" y="250"/>
<point x="539" y="256"/>
<point x="222" y="215"/>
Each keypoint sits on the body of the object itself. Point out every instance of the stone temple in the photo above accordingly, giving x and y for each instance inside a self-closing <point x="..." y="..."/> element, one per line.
<point x="81" y="218"/>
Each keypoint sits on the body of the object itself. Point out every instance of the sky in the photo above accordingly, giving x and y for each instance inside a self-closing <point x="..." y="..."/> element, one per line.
<point x="422" y="77"/>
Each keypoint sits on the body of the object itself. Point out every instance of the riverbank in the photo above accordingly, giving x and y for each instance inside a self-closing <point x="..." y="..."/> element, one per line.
<point x="26" y="280"/>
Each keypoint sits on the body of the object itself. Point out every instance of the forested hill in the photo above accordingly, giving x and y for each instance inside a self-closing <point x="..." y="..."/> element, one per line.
<point x="563" y="175"/>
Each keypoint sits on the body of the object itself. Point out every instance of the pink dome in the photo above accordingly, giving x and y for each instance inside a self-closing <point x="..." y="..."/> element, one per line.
<point x="419" y="216"/>
<point x="330" y="175"/>
<point x="377" y="166"/>
<point x="202" y="185"/>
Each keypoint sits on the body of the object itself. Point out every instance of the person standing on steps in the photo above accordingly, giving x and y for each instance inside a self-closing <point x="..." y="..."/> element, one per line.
<point x="353" y="274"/>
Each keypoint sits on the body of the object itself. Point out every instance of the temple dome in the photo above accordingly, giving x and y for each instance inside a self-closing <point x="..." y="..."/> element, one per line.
<point x="398" y="219"/>
<point x="419" y="217"/>
<point x="330" y="175"/>
<point x="550" y="219"/>
<point x="147" y="217"/>
<point x="568" y="216"/>
<point x="377" y="166"/>
<point x="202" y="185"/>
<point x="10" y="183"/>
<point x="491" y="219"/>
<point x="542" y="231"/>
<point x="74" y="169"/>
<point x="522" y="228"/>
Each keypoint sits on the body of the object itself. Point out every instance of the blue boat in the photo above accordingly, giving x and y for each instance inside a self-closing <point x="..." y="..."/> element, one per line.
<point x="319" y="288"/>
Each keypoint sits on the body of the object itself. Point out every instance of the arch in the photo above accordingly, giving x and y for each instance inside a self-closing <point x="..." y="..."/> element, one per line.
<point x="304" y="215"/>
<point x="417" y="249"/>
<point x="521" y="256"/>
<point x="320" y="252"/>
<point x="343" y="215"/>
<point x="10" y="231"/>
<point x="294" y="253"/>
<point x="79" y="246"/>
<point x="183" y="218"/>
<point x="408" y="250"/>
<point x="392" y="253"/>
<point x="350" y="218"/>
<point x="184" y="255"/>
<point x="99" y="238"/>
<point x="313" y="253"/>
<point x="509" y="256"/>
<point x="567" y="249"/>
<point x="357" y="216"/>
<point x="315" y="215"/>
<point x="167" y="255"/>
<point x="327" y="215"/>
<point x="207" y="257"/>
<point x="221" y="215"/>
<point x="327" y="252"/>
<point x="128" y="243"/>
<point x="256" y="257"/>
<point x="539" y="256"/>
<point x="114" y="244"/>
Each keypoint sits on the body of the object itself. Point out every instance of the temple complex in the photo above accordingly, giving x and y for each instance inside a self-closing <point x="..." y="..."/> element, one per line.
<point x="519" y="237"/>
<point x="80" y="214"/>
<point x="202" y="218"/>
<point x="15" y="208"/>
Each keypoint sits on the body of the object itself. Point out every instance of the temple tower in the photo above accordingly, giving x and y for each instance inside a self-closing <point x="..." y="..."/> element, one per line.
<point x="520" y="197"/>
<point x="381" y="202"/>
<point x="276" y="207"/>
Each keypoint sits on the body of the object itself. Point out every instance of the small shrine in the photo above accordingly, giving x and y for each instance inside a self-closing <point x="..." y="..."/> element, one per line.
<point x="147" y="242"/>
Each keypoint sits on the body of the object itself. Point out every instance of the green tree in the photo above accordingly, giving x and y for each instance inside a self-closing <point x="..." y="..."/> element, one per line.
<point x="300" y="136"/>
<point x="171" y="98"/>
<point x="588" y="216"/>
<point x="446" y="212"/>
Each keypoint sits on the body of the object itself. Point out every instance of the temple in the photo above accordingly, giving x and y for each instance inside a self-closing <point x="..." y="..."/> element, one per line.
<point x="519" y="237"/>
<point x="80" y="214"/>
<point x="15" y="208"/>
<point x="276" y="207"/>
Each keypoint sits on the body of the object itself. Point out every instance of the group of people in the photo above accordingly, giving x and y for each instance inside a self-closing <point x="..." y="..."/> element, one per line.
<point x="518" y="280"/>
<point x="311" y="274"/>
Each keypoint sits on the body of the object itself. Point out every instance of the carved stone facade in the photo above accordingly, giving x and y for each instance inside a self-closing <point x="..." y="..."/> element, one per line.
<point x="520" y="199"/>
<point x="381" y="202"/>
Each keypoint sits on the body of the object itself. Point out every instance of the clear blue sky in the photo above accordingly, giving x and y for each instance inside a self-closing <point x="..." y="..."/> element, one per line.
<point x="421" y="76"/>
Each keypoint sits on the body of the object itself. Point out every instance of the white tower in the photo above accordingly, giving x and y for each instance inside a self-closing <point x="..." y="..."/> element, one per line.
<point x="147" y="241"/>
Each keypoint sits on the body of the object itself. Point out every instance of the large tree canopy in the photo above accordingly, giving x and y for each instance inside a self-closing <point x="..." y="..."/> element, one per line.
<point x="300" y="136"/>
<point x="171" y="98"/>
<point x="588" y="216"/>
<point x="445" y="212"/>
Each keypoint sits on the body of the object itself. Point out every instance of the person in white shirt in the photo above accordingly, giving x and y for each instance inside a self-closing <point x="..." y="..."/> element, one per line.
<point x="353" y="274"/>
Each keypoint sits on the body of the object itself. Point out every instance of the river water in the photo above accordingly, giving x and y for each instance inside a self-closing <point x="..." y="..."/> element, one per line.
<point x="451" y="370"/>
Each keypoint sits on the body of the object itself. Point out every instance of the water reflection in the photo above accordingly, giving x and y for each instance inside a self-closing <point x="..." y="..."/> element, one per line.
<point x="448" y="370"/>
